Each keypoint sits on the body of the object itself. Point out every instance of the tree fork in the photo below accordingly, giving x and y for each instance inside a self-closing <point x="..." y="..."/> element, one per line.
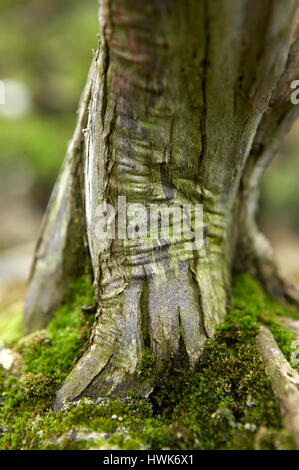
<point x="178" y="94"/>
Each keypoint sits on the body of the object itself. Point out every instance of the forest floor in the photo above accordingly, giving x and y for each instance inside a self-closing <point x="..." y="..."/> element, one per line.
<point x="225" y="403"/>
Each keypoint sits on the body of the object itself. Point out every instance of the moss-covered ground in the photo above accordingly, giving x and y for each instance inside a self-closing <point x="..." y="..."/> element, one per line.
<point x="225" y="403"/>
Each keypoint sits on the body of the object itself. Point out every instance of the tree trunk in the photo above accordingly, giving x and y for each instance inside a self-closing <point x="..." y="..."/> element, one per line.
<point x="186" y="103"/>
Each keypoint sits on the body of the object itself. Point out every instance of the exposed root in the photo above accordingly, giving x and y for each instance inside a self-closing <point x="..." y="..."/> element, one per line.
<point x="284" y="380"/>
<point x="277" y="286"/>
<point x="158" y="313"/>
<point x="291" y="324"/>
<point x="260" y="262"/>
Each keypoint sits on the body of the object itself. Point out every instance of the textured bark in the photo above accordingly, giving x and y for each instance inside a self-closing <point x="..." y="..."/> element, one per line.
<point x="179" y="91"/>
<point x="61" y="252"/>
<point x="284" y="380"/>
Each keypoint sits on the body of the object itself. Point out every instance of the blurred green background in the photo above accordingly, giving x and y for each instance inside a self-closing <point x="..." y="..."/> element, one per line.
<point x="280" y="189"/>
<point x="46" y="46"/>
<point x="45" y="49"/>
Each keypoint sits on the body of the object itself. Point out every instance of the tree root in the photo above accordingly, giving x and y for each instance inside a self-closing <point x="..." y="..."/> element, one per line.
<point x="57" y="256"/>
<point x="157" y="318"/>
<point x="290" y="324"/>
<point x="260" y="262"/>
<point x="284" y="380"/>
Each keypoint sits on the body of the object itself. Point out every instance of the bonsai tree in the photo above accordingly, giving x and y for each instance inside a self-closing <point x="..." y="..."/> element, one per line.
<point x="186" y="104"/>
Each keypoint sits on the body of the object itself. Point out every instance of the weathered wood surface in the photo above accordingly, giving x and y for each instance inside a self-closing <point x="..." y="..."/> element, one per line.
<point x="284" y="380"/>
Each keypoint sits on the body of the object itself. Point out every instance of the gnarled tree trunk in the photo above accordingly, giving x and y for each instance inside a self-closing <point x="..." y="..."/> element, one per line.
<point x="186" y="103"/>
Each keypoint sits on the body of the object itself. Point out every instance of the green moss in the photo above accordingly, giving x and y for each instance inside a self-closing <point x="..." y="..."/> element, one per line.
<point x="272" y="439"/>
<point x="225" y="403"/>
<point x="51" y="353"/>
<point x="48" y="357"/>
<point x="11" y="323"/>
<point x="146" y="364"/>
<point x="260" y="309"/>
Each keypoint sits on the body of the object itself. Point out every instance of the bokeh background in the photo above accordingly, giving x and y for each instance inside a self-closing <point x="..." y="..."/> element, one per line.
<point x="45" y="50"/>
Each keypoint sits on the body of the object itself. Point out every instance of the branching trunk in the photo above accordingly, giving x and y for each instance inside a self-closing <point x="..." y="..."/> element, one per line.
<point x="256" y="252"/>
<point x="178" y="113"/>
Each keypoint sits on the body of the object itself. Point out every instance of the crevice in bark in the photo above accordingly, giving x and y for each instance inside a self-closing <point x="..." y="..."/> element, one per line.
<point x="145" y="314"/>
<point x="200" y="303"/>
<point x="205" y="67"/>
